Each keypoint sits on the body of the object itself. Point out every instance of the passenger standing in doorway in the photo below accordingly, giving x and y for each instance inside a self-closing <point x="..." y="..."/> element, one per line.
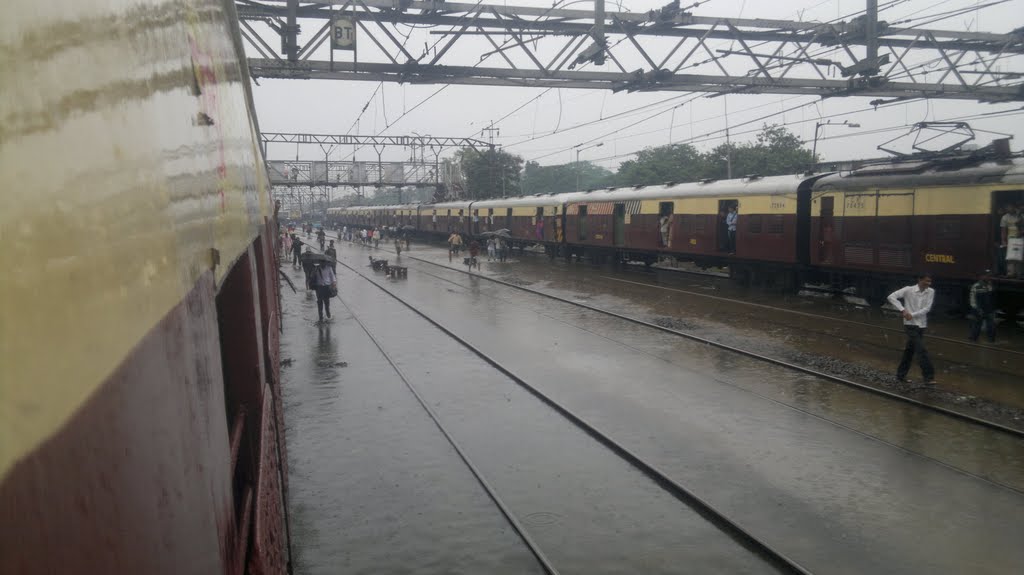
<point x="983" y="307"/>
<point x="1013" y="243"/>
<point x="730" y="222"/>
<point x="663" y="226"/>
<point x="917" y="302"/>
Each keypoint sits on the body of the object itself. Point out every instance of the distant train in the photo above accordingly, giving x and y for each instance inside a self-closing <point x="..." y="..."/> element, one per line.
<point x="871" y="228"/>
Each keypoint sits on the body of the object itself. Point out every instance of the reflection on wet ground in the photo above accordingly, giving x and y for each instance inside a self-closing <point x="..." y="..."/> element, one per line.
<point x="781" y="452"/>
<point x="847" y="340"/>
<point x="373" y="488"/>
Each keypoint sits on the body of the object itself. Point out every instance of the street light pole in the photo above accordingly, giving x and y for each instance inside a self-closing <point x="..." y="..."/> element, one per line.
<point x="578" y="150"/>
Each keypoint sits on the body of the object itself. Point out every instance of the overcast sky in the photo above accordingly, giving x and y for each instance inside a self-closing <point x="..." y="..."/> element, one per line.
<point x="543" y="130"/>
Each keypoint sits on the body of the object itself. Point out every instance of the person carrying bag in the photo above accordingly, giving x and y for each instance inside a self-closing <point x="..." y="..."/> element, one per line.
<point x="326" y="285"/>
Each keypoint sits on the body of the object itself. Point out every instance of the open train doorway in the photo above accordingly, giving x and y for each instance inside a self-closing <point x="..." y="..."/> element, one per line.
<point x="727" y="225"/>
<point x="619" y="225"/>
<point x="826" y="229"/>
<point x="1008" y="209"/>
<point x="538" y="224"/>
<point x="583" y="224"/>
<point x="665" y="224"/>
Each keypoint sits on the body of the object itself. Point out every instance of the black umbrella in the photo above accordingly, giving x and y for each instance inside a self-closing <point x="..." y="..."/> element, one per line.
<point x="407" y="228"/>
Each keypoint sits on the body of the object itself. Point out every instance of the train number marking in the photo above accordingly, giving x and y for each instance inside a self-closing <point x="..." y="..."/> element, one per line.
<point x="856" y="203"/>
<point x="778" y="203"/>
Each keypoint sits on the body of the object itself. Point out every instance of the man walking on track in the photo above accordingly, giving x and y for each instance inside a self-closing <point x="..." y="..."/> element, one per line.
<point x="917" y="302"/>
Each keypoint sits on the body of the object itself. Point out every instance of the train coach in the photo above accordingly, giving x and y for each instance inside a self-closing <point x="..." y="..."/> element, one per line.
<point x="869" y="228"/>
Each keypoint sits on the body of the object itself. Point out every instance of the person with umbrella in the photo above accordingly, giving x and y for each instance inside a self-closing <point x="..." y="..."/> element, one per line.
<point x="325" y="282"/>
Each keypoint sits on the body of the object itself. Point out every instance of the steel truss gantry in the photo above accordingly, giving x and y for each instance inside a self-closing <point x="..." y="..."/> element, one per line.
<point x="676" y="50"/>
<point x="307" y="184"/>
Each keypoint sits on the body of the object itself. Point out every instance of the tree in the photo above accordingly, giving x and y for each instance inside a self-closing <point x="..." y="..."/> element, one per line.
<point x="775" y="151"/>
<point x="489" y="174"/>
<point x="538" y="179"/>
<point x="673" y="163"/>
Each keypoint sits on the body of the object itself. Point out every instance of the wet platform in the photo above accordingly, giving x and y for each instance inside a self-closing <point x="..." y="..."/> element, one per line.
<point x="842" y="482"/>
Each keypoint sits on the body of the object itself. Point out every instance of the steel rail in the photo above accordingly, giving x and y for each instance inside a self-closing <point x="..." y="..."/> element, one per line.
<point x="806" y="314"/>
<point x="805" y="411"/>
<point x="702" y="507"/>
<point x="829" y="377"/>
<point x="535" y="549"/>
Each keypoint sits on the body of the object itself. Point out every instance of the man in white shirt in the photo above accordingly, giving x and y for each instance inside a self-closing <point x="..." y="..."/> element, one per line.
<point x="1010" y="225"/>
<point x="917" y="302"/>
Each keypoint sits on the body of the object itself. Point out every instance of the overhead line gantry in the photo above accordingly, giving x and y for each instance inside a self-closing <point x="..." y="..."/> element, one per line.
<point x="549" y="47"/>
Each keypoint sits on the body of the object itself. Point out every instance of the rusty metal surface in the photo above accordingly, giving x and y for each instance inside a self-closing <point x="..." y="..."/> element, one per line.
<point x="269" y="539"/>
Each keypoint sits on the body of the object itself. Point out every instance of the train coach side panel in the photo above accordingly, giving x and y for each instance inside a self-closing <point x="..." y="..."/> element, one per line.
<point x="945" y="230"/>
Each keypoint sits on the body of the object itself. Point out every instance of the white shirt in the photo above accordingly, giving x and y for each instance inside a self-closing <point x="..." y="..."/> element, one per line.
<point x="917" y="302"/>
<point x="730" y="220"/>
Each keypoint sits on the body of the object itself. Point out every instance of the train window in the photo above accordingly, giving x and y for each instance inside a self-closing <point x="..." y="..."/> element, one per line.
<point x="686" y="223"/>
<point x="947" y="228"/>
<point x="699" y="224"/>
<point x="775" y="224"/>
<point x="754" y="223"/>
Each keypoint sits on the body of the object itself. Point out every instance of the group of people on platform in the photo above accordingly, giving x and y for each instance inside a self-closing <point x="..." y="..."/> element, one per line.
<point x="498" y="249"/>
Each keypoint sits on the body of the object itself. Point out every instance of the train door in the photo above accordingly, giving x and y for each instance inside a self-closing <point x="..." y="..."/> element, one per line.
<point x="508" y="220"/>
<point x="619" y="224"/>
<point x="826" y="230"/>
<point x="724" y="241"/>
<point x="583" y="224"/>
<point x="475" y="222"/>
<point x="538" y="224"/>
<point x="1001" y="202"/>
<point x="665" y="224"/>
<point x="490" y="219"/>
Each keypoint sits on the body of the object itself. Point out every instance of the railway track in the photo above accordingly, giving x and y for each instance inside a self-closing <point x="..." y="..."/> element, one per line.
<point x="952" y="413"/>
<point x="1011" y="353"/>
<point x="685" y="495"/>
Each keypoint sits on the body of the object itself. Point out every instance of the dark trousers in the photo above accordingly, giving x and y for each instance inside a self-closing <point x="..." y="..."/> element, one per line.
<point x="981" y="319"/>
<point x="295" y="258"/>
<point x="323" y="301"/>
<point x="915" y="346"/>
<point x="732" y="241"/>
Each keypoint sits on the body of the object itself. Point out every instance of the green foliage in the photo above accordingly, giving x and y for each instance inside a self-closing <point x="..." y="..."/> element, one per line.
<point x="490" y="174"/>
<point x="776" y="151"/>
<point x="673" y="163"/>
<point x="539" y="179"/>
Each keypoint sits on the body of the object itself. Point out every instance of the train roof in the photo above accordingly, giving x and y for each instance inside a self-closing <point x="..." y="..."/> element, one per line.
<point x="748" y="186"/>
<point x="447" y="206"/>
<point x="521" y="201"/>
<point x="926" y="172"/>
